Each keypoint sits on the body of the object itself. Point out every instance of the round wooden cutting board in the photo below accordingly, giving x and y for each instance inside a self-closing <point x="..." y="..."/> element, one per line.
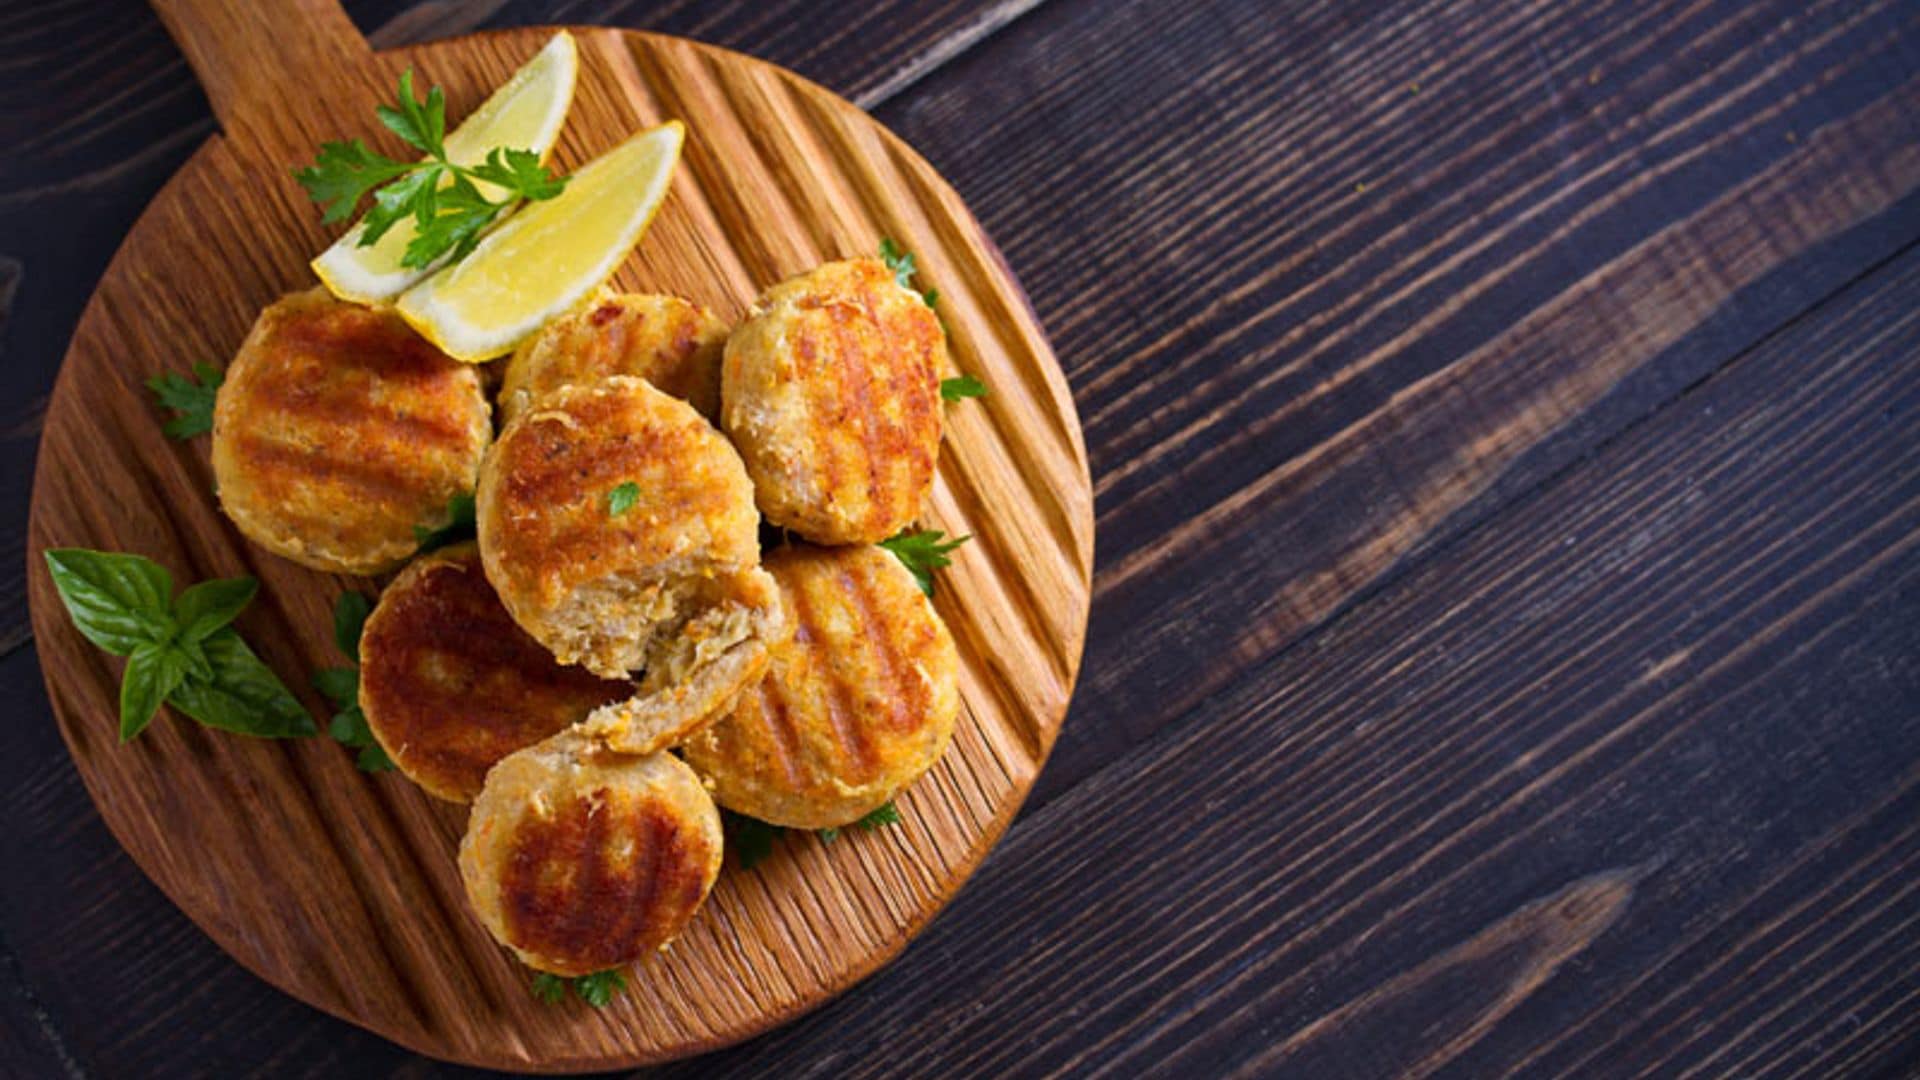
<point x="340" y="887"/>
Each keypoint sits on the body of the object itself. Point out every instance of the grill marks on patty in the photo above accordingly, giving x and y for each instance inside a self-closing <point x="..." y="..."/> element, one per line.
<point x="450" y="684"/>
<point x="338" y="430"/>
<point x="610" y="876"/>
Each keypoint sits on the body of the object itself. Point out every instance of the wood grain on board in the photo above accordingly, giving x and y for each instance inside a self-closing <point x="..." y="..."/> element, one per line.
<point x="342" y="888"/>
<point x="1428" y="240"/>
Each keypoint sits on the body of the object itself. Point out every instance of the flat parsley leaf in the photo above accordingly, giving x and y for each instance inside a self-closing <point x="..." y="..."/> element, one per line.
<point x="449" y="212"/>
<point x="621" y="499"/>
<point x="190" y="400"/>
<point x="750" y="838"/>
<point x="421" y="123"/>
<point x="459" y="525"/>
<point x="902" y="264"/>
<point x="519" y="171"/>
<point x="597" y="989"/>
<point x="922" y="553"/>
<point x="452" y="225"/>
<point x="964" y="386"/>
<point x="882" y="815"/>
<point x="341" y="686"/>
<point x="349" y="618"/>
<point x="549" y="987"/>
<point x="342" y="173"/>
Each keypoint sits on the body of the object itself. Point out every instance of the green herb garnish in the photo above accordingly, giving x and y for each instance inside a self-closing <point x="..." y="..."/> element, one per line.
<point x="191" y="399"/>
<point x="964" y="386"/>
<point x="459" y="525"/>
<point x="342" y="687"/>
<point x="597" y="989"/>
<point x="621" y="499"/>
<point x="750" y="838"/>
<point x="922" y="553"/>
<point x="881" y="816"/>
<point x="903" y="267"/>
<point x="449" y="212"/>
<point x="180" y="650"/>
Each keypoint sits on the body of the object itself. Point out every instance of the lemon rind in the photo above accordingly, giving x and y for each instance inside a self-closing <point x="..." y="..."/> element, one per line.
<point x="460" y="340"/>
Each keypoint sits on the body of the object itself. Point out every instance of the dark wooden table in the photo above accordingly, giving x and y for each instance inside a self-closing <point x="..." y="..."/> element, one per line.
<point x="1505" y="420"/>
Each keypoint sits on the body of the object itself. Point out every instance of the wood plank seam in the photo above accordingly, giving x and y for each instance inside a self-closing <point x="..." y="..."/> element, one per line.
<point x="1479" y="517"/>
<point x="56" y="1042"/>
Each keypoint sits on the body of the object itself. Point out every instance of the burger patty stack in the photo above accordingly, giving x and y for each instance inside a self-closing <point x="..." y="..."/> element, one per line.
<point x="616" y="653"/>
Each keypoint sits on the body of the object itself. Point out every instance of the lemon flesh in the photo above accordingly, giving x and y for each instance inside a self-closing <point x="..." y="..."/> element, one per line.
<point x="525" y="113"/>
<point x="549" y="255"/>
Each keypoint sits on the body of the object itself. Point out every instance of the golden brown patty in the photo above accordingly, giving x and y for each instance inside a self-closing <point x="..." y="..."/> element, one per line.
<point x="450" y="684"/>
<point x="857" y="705"/>
<point x="612" y="517"/>
<point x="672" y="343"/>
<point x="832" y="393"/>
<point x="338" y="430"/>
<point x="581" y="860"/>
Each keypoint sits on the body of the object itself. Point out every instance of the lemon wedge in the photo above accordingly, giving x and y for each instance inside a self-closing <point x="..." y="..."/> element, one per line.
<point x="524" y="114"/>
<point x="550" y="255"/>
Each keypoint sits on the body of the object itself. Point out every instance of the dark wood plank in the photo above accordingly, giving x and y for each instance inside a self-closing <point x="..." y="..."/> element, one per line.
<point x="29" y="1044"/>
<point x="1649" y="200"/>
<point x="1626" y="779"/>
<point x="1374" y="269"/>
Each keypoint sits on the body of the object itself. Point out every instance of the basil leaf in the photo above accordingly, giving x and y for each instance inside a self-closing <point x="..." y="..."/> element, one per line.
<point x="196" y="658"/>
<point x="210" y="605"/>
<point x="153" y="672"/>
<point x="349" y="618"/>
<point x="244" y="696"/>
<point x="118" y="602"/>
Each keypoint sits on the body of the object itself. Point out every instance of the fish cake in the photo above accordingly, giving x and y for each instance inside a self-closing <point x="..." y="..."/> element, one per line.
<point x="618" y="528"/>
<point x="831" y="390"/>
<point x="672" y="343"/>
<point x="450" y="684"/>
<point x="857" y="705"/>
<point x="338" y="431"/>
<point x="580" y="859"/>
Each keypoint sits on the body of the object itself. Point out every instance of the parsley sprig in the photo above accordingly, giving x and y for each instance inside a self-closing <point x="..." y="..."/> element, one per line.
<point x="922" y="553"/>
<point x="751" y="840"/>
<point x="883" y="815"/>
<point x="190" y="397"/>
<point x="902" y="263"/>
<point x="962" y="386"/>
<point x="448" y="208"/>
<point x="459" y="526"/>
<point x="342" y="686"/>
<point x="180" y="650"/>
<point x="597" y="989"/>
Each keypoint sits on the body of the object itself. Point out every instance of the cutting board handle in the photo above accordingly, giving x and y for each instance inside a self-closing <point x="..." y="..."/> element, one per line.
<point x="259" y="60"/>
